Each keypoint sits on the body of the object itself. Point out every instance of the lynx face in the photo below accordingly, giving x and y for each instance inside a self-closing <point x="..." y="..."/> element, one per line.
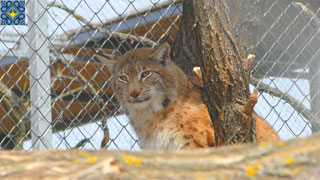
<point x="139" y="85"/>
<point x="143" y="78"/>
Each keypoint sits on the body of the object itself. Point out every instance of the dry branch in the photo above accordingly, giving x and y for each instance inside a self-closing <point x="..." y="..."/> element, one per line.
<point x="122" y="36"/>
<point x="106" y="134"/>
<point x="308" y="14"/>
<point x="297" y="105"/>
<point x="81" y="143"/>
<point x="296" y="159"/>
<point x="17" y="111"/>
<point x="81" y="79"/>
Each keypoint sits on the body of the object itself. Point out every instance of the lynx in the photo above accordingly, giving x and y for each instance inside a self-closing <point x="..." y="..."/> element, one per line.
<point x="163" y="107"/>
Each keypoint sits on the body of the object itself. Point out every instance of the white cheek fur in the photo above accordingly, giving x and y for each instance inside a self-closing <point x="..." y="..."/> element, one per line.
<point x="156" y="100"/>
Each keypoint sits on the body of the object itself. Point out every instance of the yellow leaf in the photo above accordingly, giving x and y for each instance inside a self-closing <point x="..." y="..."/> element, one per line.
<point x="258" y="166"/>
<point x="138" y="162"/>
<point x="289" y="160"/>
<point x="251" y="171"/>
<point x="128" y="159"/>
<point x="92" y="159"/>
<point x="200" y="178"/>
<point x="76" y="160"/>
<point x="132" y="160"/>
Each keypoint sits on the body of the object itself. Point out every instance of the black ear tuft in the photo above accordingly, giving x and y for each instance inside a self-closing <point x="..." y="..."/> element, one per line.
<point x="162" y="53"/>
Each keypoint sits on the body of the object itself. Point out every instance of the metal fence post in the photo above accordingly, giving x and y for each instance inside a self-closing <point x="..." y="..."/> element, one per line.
<point x="39" y="75"/>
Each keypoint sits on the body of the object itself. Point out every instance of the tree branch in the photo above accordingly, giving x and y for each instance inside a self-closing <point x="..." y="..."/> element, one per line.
<point x="122" y="36"/>
<point x="300" y="108"/>
<point x="308" y="14"/>
<point x="17" y="111"/>
<point x="297" y="159"/>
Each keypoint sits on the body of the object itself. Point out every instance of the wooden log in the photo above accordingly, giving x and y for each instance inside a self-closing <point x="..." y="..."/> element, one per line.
<point x="295" y="159"/>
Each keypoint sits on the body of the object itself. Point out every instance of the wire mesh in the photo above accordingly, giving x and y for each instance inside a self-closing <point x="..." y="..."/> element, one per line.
<point x="84" y="111"/>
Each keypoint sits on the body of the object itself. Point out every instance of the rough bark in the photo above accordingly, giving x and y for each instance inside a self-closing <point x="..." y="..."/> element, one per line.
<point x="296" y="159"/>
<point x="205" y="40"/>
<point x="184" y="50"/>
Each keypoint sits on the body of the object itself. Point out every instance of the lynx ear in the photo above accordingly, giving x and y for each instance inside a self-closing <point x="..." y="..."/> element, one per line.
<point x="162" y="53"/>
<point x="109" y="62"/>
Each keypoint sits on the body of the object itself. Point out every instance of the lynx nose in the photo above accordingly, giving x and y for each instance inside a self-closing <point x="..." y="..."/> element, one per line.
<point x="134" y="94"/>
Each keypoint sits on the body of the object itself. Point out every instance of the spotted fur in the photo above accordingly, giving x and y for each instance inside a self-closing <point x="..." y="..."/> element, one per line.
<point x="164" y="109"/>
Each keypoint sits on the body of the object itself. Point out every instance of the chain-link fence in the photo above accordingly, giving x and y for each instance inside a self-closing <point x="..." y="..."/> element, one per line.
<point x="55" y="94"/>
<point x="287" y="69"/>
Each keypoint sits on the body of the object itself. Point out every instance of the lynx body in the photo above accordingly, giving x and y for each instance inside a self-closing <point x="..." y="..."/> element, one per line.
<point x="165" y="110"/>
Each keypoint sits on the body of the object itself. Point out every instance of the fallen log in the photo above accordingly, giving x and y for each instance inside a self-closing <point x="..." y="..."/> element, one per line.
<point x="295" y="159"/>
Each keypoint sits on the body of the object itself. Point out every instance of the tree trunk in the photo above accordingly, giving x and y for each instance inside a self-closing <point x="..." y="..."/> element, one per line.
<point x="205" y="40"/>
<point x="296" y="159"/>
<point x="245" y="19"/>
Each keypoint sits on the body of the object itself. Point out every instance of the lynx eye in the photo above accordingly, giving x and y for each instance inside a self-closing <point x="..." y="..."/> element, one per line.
<point x="123" y="78"/>
<point x="145" y="74"/>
